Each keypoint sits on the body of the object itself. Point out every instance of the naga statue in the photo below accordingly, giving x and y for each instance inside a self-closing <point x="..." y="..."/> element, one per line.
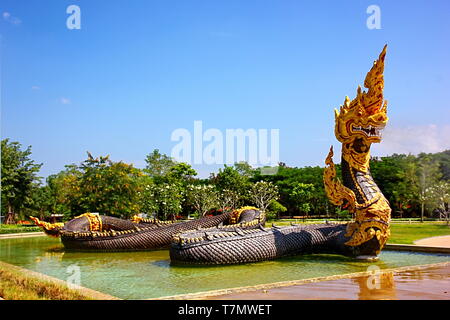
<point x="358" y="124"/>
<point x="94" y="232"/>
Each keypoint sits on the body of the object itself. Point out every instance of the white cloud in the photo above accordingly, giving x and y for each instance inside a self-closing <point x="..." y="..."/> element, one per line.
<point x="35" y="88"/>
<point x="9" y="18"/>
<point x="65" y="100"/>
<point x="414" y="139"/>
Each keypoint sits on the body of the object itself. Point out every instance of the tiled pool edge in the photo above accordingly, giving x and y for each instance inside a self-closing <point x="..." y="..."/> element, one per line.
<point x="220" y="292"/>
<point x="97" y="295"/>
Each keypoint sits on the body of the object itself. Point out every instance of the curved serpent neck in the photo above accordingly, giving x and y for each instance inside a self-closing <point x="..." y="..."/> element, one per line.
<point x="361" y="183"/>
<point x="361" y="195"/>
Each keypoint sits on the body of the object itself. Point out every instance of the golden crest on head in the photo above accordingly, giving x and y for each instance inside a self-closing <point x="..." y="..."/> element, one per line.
<point x="365" y="116"/>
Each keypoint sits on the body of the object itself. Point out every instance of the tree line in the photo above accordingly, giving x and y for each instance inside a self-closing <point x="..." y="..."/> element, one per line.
<point x="416" y="186"/>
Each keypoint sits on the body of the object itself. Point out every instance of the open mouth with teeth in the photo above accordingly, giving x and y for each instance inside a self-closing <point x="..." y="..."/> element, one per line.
<point x="368" y="131"/>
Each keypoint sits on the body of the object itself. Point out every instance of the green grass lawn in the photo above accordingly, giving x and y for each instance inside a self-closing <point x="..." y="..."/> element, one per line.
<point x="401" y="233"/>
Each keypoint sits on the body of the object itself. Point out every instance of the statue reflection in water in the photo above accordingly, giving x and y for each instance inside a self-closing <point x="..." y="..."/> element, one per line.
<point x="379" y="285"/>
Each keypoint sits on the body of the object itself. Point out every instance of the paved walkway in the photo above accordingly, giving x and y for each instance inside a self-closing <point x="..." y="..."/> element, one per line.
<point x="441" y="241"/>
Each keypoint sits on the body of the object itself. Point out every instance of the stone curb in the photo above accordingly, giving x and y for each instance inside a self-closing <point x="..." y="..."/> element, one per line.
<point x="22" y="235"/>
<point x="416" y="248"/>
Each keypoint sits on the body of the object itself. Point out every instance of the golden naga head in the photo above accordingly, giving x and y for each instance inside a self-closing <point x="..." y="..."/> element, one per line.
<point x="359" y="122"/>
<point x="51" y="229"/>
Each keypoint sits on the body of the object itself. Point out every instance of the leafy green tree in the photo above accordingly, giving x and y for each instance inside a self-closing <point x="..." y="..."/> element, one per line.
<point x="158" y="164"/>
<point x="396" y="176"/>
<point x="162" y="200"/>
<point x="302" y="193"/>
<point x="18" y="178"/>
<point x="65" y="192"/>
<point x="406" y="180"/>
<point x="287" y="177"/>
<point x="148" y="199"/>
<point x="443" y="160"/>
<point x="244" y="169"/>
<point x="262" y="193"/>
<point x="109" y="187"/>
<point x="405" y="191"/>
<point x="439" y="199"/>
<point x="229" y="178"/>
<point x="228" y="199"/>
<point x="202" y="197"/>
<point x="275" y="209"/>
<point x="428" y="175"/>
<point x="41" y="203"/>
<point x="343" y="214"/>
<point x="182" y="172"/>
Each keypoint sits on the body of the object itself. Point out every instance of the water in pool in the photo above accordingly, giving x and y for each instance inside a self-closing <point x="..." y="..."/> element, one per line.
<point x="141" y="275"/>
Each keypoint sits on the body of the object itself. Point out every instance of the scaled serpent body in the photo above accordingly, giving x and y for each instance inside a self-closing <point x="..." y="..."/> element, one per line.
<point x="232" y="246"/>
<point x="93" y="232"/>
<point x="357" y="125"/>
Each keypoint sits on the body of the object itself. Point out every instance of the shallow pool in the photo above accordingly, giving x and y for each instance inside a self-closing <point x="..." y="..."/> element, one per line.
<point x="141" y="275"/>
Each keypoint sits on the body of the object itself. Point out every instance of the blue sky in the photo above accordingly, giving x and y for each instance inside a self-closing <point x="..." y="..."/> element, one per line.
<point x="138" y="70"/>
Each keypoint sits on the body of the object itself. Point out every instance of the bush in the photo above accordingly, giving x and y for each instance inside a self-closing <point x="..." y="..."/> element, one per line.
<point x="14" y="228"/>
<point x="274" y="210"/>
<point x="343" y="214"/>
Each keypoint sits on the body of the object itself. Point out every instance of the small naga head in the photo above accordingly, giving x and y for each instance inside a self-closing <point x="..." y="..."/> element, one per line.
<point x="359" y="122"/>
<point x="50" y="229"/>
